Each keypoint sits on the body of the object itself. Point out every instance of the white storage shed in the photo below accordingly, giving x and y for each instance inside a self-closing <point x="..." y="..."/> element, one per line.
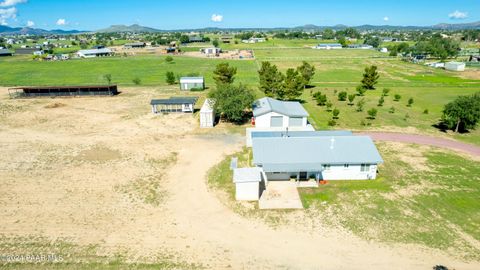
<point x="207" y="114"/>
<point x="247" y="183"/>
<point x="455" y="66"/>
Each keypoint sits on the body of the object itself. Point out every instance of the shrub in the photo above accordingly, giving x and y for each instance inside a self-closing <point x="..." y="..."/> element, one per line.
<point x="360" y="105"/>
<point x="381" y="101"/>
<point x="335" y="113"/>
<point x="392" y="110"/>
<point x="372" y="113"/>
<point x="425" y="111"/>
<point x="385" y="92"/>
<point x="351" y="98"/>
<point x="169" y="59"/>
<point x="332" y="123"/>
<point x="342" y="96"/>
<point x="397" y="97"/>
<point x="320" y="98"/>
<point x="407" y="116"/>
<point x="329" y="106"/>
<point x="410" y="102"/>
<point x="361" y="90"/>
<point x="137" y="81"/>
<point x="170" y="77"/>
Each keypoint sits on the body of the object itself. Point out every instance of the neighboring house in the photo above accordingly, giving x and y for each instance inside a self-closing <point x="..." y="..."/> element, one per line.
<point x="195" y="39"/>
<point x="207" y="114"/>
<point x="328" y="46"/>
<point x="269" y="112"/>
<point x="360" y="46"/>
<point x="135" y="45"/>
<point x="189" y="83"/>
<point x="211" y="51"/>
<point x="455" y="66"/>
<point x="5" y="52"/>
<point x="94" y="53"/>
<point x="320" y="158"/>
<point x="174" y="104"/>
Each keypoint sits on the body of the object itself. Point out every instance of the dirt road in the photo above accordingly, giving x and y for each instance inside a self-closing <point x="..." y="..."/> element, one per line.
<point x="424" y="140"/>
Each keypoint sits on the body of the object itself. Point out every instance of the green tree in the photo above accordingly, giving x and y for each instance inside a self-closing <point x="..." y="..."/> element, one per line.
<point x="108" y="78"/>
<point x="335" y="113"/>
<point x="307" y="72"/>
<point x="342" y="40"/>
<point x="329" y="105"/>
<point x="215" y="43"/>
<point x="137" y="81"/>
<point x="372" y="113"/>
<point x="320" y="98"/>
<point x="381" y="101"/>
<point x="342" y="96"/>
<point x="351" y="98"/>
<point x="360" y="105"/>
<point x="170" y="77"/>
<point x="370" y="77"/>
<point x="184" y="39"/>
<point x="169" y="59"/>
<point x="463" y="113"/>
<point x="293" y="84"/>
<point x="373" y="41"/>
<point x="224" y="74"/>
<point x="397" y="97"/>
<point x="271" y="80"/>
<point x="361" y="90"/>
<point x="231" y="101"/>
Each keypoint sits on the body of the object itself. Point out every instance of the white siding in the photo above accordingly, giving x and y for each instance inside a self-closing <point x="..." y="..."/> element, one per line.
<point x="249" y="191"/>
<point x="336" y="172"/>
<point x="264" y="121"/>
<point x="249" y="131"/>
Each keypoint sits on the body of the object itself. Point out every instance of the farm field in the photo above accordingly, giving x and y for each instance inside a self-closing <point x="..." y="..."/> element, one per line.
<point x="103" y="183"/>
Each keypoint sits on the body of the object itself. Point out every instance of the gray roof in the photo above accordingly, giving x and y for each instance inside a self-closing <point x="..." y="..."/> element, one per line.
<point x="247" y="175"/>
<point x="174" y="101"/>
<point x="310" y="153"/>
<point x="191" y="80"/>
<point x="329" y="45"/>
<point x="279" y="134"/>
<point x="289" y="108"/>
<point x="95" y="51"/>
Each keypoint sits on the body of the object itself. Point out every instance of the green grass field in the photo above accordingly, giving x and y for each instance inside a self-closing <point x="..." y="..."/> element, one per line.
<point x="337" y="70"/>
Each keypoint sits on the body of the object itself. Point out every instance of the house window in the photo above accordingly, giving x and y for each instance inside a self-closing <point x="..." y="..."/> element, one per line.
<point x="326" y="167"/>
<point x="365" y="167"/>
<point x="346" y="166"/>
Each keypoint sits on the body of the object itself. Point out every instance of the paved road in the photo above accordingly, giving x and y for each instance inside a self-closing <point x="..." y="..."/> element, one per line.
<point x="424" y="140"/>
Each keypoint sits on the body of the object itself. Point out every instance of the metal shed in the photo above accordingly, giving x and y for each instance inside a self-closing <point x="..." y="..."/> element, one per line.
<point x="189" y="83"/>
<point x="247" y="183"/>
<point x="207" y="114"/>
<point x="174" y="104"/>
<point x="455" y="66"/>
<point x="64" y="91"/>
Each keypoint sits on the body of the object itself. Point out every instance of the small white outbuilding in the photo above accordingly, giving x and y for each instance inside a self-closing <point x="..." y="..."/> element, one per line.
<point x="247" y="183"/>
<point x="207" y="114"/>
<point x="455" y="66"/>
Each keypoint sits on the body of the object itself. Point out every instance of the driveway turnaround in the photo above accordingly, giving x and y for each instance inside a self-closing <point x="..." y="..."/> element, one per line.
<point x="424" y="140"/>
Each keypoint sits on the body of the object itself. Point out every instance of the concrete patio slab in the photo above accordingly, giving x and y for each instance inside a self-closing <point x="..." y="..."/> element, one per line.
<point x="280" y="195"/>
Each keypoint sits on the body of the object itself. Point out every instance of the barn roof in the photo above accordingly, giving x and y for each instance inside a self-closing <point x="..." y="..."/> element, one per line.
<point x="289" y="108"/>
<point x="310" y="153"/>
<point x="174" y="101"/>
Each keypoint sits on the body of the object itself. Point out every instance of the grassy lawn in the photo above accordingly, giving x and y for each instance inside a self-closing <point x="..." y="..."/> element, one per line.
<point x="422" y="196"/>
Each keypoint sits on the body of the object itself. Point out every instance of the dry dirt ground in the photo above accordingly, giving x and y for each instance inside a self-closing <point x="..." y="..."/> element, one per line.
<point x="105" y="172"/>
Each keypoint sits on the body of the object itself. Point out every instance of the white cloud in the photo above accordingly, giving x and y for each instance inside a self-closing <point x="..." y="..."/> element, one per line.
<point x="7" y="13"/>
<point x="61" y="22"/>
<point x="30" y="24"/>
<point x="386" y="18"/>
<point x="458" y="15"/>
<point x="217" y="18"/>
<point x="9" y="3"/>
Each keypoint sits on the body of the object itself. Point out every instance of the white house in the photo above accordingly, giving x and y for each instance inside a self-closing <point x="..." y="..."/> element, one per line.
<point x="247" y="183"/>
<point x="269" y="112"/>
<point x="328" y="46"/>
<point x="207" y="114"/>
<point x="455" y="66"/>
<point x="94" y="53"/>
<point x="344" y="157"/>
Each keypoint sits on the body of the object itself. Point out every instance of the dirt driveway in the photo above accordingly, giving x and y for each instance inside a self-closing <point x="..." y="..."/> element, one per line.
<point x="424" y="140"/>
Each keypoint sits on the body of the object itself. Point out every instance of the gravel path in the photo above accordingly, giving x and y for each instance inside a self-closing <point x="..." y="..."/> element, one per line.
<point x="424" y="140"/>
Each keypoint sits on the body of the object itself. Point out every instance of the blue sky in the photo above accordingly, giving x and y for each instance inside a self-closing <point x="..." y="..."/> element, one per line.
<point x="96" y="14"/>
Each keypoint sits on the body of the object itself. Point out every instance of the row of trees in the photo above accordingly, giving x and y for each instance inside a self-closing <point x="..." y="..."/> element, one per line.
<point x="288" y="86"/>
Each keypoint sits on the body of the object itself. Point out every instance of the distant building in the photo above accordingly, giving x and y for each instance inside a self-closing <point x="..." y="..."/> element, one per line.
<point x="195" y="39"/>
<point x="226" y="39"/>
<point x="5" y="52"/>
<point x="455" y="66"/>
<point x="173" y="105"/>
<point x="328" y="46"/>
<point x="360" y="46"/>
<point x="437" y="65"/>
<point x="384" y="50"/>
<point x="94" y="53"/>
<point x="24" y="51"/>
<point x="189" y="83"/>
<point x="135" y="45"/>
<point x="254" y="40"/>
<point x="211" y="51"/>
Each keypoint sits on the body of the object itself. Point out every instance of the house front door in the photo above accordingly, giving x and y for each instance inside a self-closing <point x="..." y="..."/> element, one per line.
<point x="303" y="175"/>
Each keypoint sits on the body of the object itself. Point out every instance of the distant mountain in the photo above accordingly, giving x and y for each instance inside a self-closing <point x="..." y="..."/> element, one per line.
<point x="458" y="26"/>
<point x="134" y="28"/>
<point x="6" y="30"/>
